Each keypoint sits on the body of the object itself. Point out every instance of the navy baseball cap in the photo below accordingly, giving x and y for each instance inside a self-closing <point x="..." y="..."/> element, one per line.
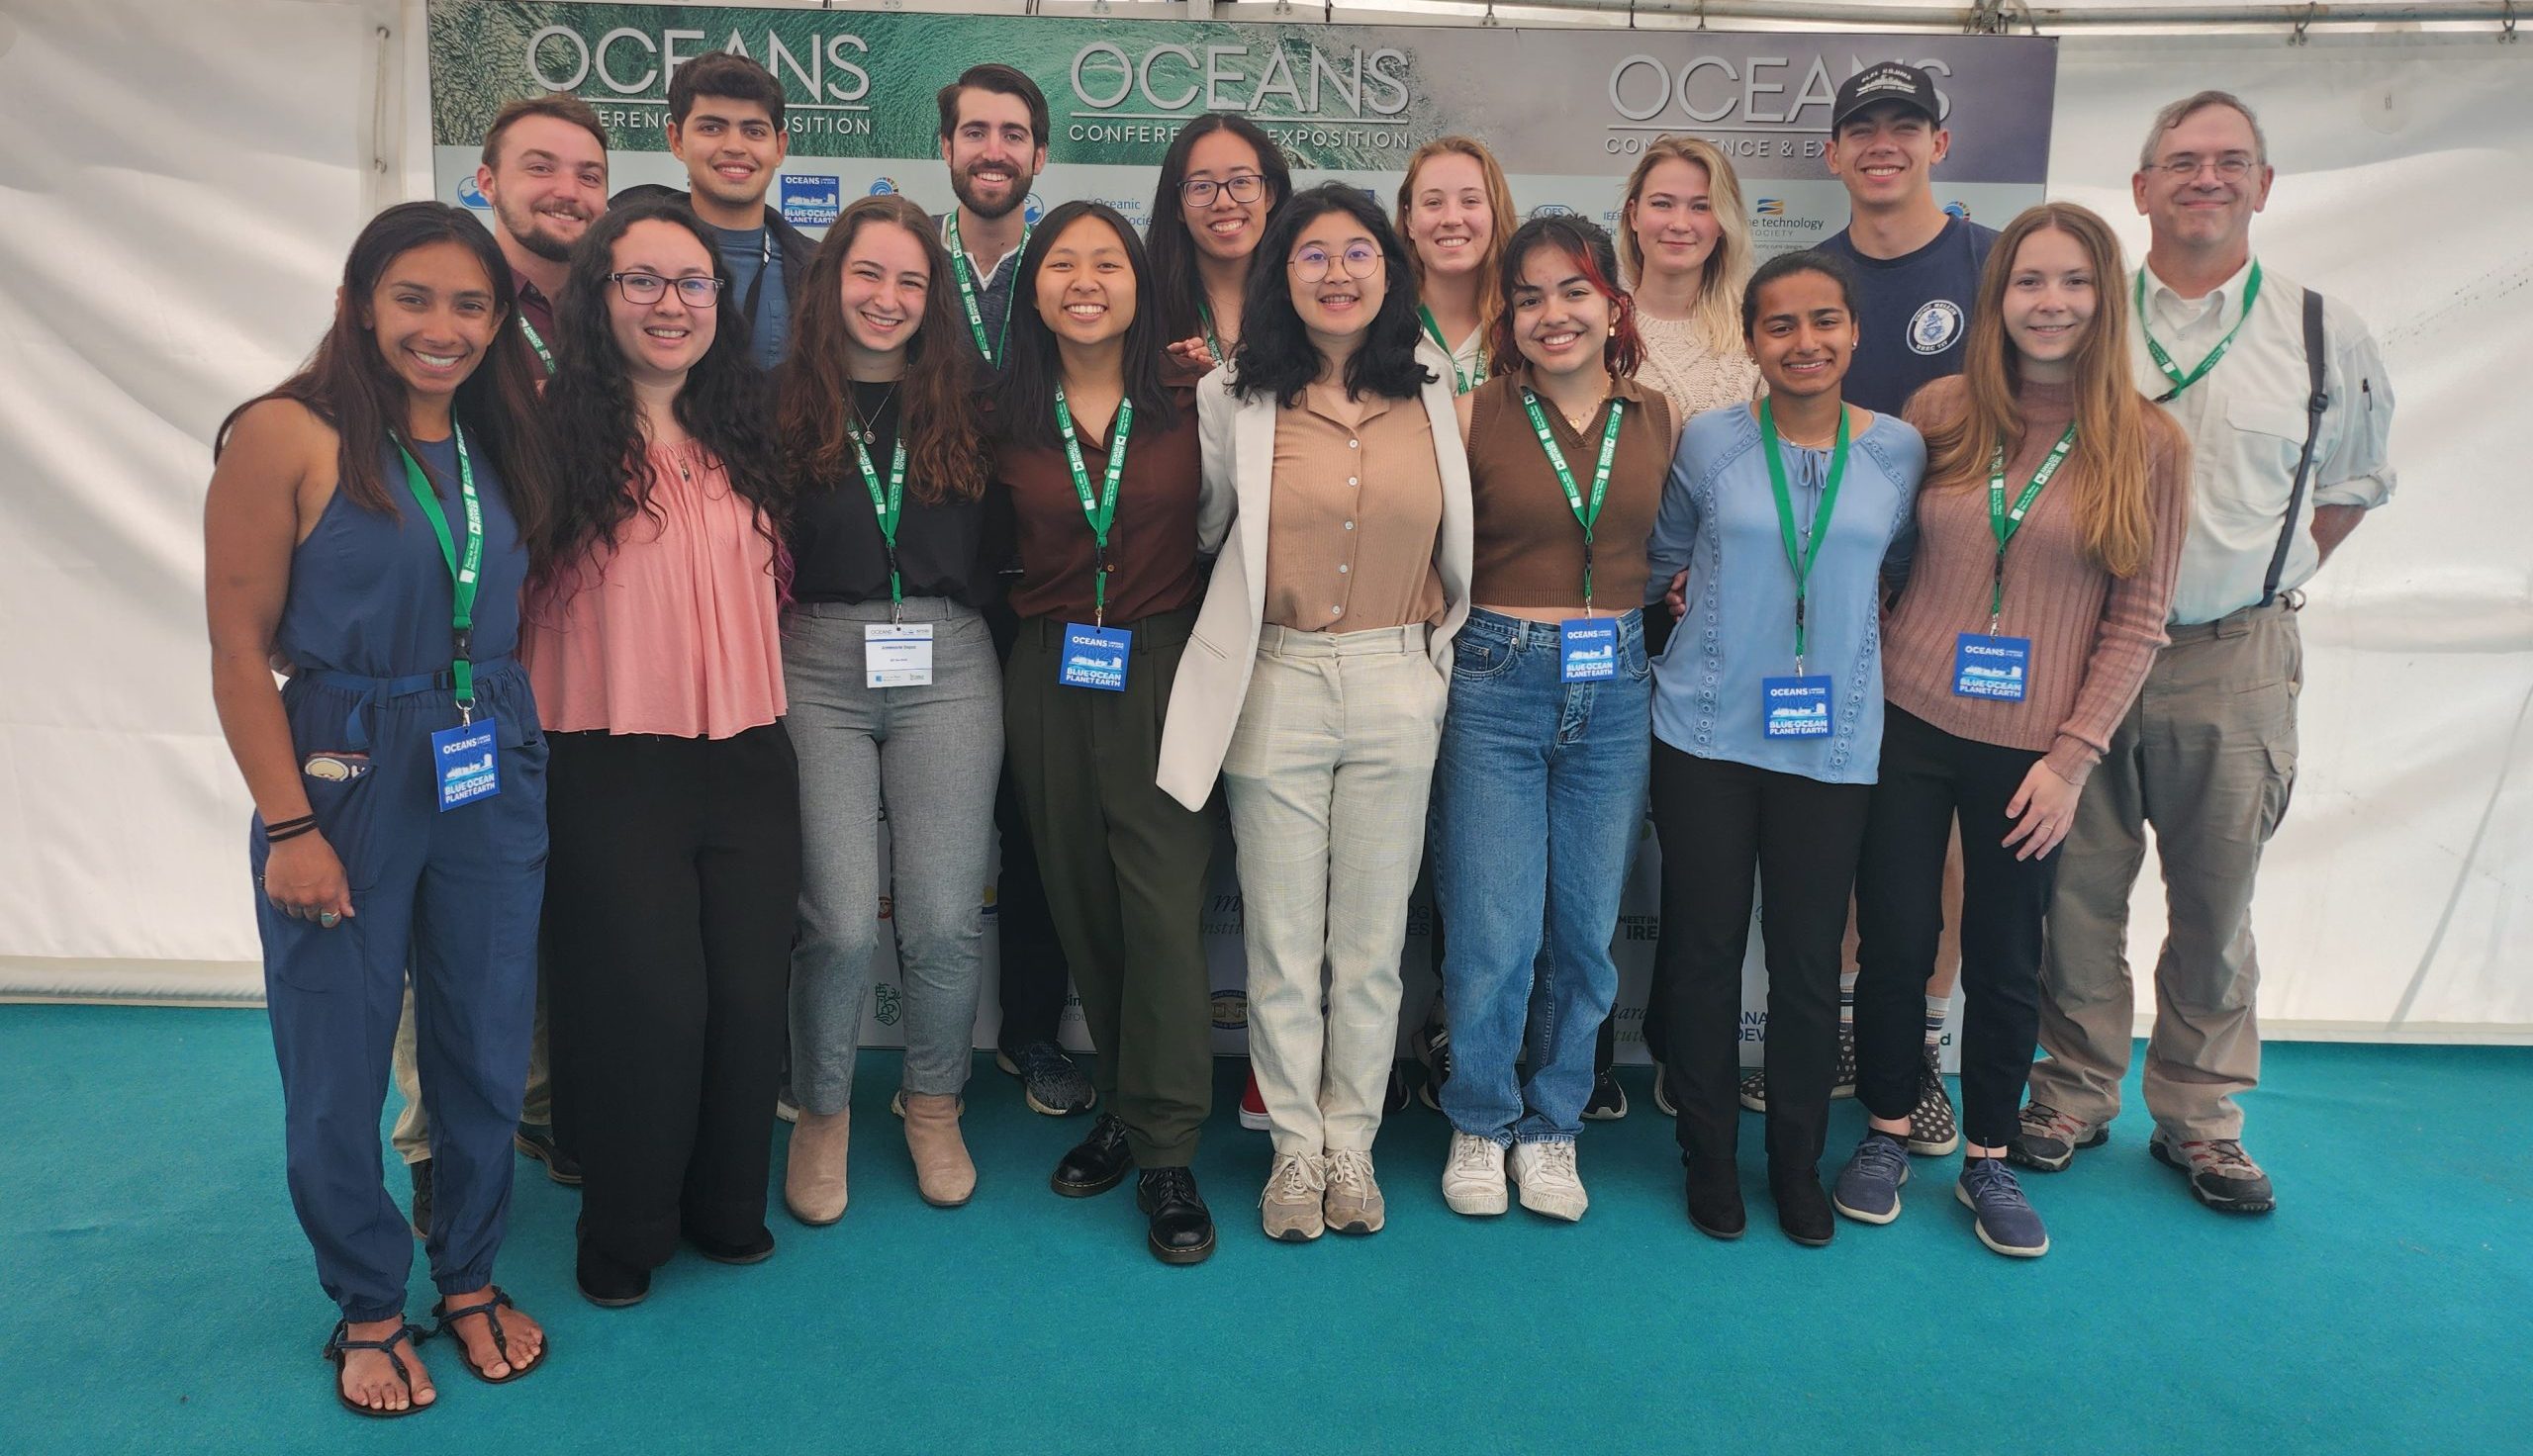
<point x="1887" y="80"/>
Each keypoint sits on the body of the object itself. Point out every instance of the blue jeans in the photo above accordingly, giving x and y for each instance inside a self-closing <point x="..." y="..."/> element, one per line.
<point x="1538" y="794"/>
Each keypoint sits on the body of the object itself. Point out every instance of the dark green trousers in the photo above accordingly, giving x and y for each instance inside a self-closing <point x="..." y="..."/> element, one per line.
<point x="1125" y="867"/>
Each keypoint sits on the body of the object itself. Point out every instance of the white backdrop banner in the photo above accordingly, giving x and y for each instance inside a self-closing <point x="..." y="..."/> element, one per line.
<point x="188" y="178"/>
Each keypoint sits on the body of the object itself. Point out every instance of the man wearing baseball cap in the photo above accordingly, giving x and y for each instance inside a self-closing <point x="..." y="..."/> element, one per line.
<point x="1919" y="264"/>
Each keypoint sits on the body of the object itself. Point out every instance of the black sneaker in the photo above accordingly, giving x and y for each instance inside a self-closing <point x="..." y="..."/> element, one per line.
<point x="1049" y="1081"/>
<point x="2048" y="1140"/>
<point x="538" y="1143"/>
<point x="1182" y="1227"/>
<point x="1609" y="1100"/>
<point x="1754" y="1091"/>
<point x="1434" y="1049"/>
<point x="421" y="1175"/>
<point x="2222" y="1175"/>
<point x="1931" y="1130"/>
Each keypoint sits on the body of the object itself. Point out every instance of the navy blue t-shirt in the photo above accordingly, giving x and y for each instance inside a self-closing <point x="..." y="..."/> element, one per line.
<point x="1915" y="312"/>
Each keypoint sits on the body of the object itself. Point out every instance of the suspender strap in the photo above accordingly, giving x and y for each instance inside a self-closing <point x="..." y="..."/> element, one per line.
<point x="2313" y="408"/>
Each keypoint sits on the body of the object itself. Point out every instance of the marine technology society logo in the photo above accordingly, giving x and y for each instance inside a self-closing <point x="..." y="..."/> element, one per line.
<point x="1768" y="207"/>
<point x="470" y="195"/>
<point x="811" y="200"/>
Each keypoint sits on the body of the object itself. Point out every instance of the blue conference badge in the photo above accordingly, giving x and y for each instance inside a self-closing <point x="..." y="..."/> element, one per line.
<point x="465" y="763"/>
<point x="1588" y="649"/>
<point x="1990" y="666"/>
<point x="1796" y="707"/>
<point x="811" y="200"/>
<point x="1094" y="657"/>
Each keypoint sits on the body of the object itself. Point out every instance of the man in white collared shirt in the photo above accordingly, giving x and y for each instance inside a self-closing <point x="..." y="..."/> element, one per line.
<point x="2207" y="755"/>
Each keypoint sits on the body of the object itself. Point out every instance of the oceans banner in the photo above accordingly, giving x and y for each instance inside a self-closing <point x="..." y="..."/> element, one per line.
<point x="1566" y="110"/>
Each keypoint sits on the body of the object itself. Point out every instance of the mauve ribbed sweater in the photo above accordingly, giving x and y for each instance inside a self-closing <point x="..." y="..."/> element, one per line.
<point x="2092" y="634"/>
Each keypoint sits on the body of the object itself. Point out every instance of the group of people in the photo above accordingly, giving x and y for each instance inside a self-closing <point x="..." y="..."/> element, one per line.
<point x="625" y="565"/>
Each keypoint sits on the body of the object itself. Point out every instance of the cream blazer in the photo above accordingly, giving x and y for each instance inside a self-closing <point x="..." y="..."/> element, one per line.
<point x="1238" y="438"/>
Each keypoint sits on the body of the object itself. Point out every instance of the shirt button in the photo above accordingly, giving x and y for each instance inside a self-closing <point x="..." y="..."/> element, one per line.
<point x="1350" y="525"/>
<point x="1343" y="569"/>
<point x="1337" y="611"/>
<point x="1353" y="444"/>
<point x="1352" y="480"/>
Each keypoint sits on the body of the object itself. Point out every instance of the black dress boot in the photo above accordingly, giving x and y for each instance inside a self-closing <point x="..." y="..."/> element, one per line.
<point x="1097" y="1163"/>
<point x="1182" y="1227"/>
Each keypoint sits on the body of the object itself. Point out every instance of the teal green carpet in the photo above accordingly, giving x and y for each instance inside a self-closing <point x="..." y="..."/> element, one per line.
<point x="156" y="1295"/>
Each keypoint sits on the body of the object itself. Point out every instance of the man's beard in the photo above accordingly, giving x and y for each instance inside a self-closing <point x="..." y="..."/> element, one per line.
<point x="534" y="236"/>
<point x="965" y="189"/>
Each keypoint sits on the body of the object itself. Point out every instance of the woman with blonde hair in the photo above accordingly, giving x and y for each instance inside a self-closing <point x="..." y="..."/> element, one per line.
<point x="1455" y="213"/>
<point x="1686" y="249"/>
<point x="2032" y="611"/>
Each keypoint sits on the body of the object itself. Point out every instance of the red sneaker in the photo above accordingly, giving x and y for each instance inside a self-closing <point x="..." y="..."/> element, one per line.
<point x="1252" y="1106"/>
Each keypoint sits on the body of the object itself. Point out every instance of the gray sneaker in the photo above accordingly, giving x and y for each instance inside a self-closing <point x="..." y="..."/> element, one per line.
<point x="1289" y="1208"/>
<point x="1868" y="1188"/>
<point x="1353" y="1203"/>
<point x="2222" y="1175"/>
<point x="2007" y="1222"/>
<point x="2048" y="1139"/>
<point x="1049" y="1081"/>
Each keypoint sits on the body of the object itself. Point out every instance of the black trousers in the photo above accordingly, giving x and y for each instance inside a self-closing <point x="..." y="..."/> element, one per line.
<point x="1717" y="822"/>
<point x="1034" y="976"/>
<point x="1657" y="1030"/>
<point x="672" y="889"/>
<point x="1928" y="776"/>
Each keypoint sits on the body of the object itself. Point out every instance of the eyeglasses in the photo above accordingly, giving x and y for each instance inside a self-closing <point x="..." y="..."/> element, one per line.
<point x="2234" y="168"/>
<point x="1312" y="264"/>
<point x="1243" y="187"/>
<point x="647" y="288"/>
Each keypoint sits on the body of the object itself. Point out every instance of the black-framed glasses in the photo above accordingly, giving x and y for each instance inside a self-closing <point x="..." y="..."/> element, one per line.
<point x="1243" y="187"/>
<point x="1359" y="260"/>
<point x="696" y="291"/>
<point x="2232" y="167"/>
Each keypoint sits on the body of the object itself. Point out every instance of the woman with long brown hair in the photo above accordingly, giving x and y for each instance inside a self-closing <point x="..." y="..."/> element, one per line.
<point x="2033" y="607"/>
<point x="897" y="693"/>
<point x="1456" y="213"/>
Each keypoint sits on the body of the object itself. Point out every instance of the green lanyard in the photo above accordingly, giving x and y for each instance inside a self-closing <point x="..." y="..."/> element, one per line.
<point x="1213" y="345"/>
<point x="2005" y="522"/>
<point x="1462" y="384"/>
<point x="2164" y="361"/>
<point x="1590" y="513"/>
<point x="968" y="294"/>
<point x="1797" y="556"/>
<point x="890" y="507"/>
<point x="463" y="574"/>
<point x="1102" y="512"/>
<point x="537" y="341"/>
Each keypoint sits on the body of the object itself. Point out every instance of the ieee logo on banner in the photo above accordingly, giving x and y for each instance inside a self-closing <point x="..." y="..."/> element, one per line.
<point x="811" y="201"/>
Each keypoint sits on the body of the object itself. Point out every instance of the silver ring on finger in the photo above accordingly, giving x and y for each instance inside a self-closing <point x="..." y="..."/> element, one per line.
<point x="329" y="919"/>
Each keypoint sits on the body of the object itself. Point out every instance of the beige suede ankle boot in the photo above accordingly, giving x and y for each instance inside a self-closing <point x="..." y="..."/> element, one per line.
<point x="814" y="1181"/>
<point x="941" y="1172"/>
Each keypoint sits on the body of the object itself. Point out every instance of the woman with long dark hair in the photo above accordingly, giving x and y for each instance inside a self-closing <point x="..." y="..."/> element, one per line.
<point x="1095" y="459"/>
<point x="1336" y="491"/>
<point x="1541" y="779"/>
<point x="896" y="695"/>
<point x="2033" y="608"/>
<point x="676" y="863"/>
<point x="1778" y="519"/>
<point x="1221" y="182"/>
<point x="365" y="526"/>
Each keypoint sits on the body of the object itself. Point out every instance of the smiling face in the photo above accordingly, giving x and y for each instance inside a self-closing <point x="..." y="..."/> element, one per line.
<point x="549" y="185"/>
<point x="1673" y="218"/>
<point x="1338" y="306"/>
<point x="1449" y="218"/>
<point x="1803" y="334"/>
<point x="1559" y="319"/>
<point x="992" y="154"/>
<point x="433" y="316"/>
<point x="2205" y="210"/>
<point x="886" y="276"/>
<point x="2049" y="303"/>
<point x="1225" y="228"/>
<point x="1885" y="154"/>
<point x="730" y="149"/>
<point x="660" y="340"/>
<point x="1087" y="284"/>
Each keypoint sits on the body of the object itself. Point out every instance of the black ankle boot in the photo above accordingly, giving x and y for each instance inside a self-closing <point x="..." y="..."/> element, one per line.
<point x="606" y="1281"/>
<point x="1803" y="1208"/>
<point x="1182" y="1227"/>
<point x="1097" y="1163"/>
<point x="1714" y="1198"/>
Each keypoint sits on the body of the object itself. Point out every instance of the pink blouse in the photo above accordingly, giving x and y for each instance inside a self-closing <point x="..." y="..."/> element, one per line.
<point x="674" y="631"/>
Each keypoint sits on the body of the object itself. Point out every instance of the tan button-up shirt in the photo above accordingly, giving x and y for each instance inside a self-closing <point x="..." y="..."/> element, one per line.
<point x="1354" y="515"/>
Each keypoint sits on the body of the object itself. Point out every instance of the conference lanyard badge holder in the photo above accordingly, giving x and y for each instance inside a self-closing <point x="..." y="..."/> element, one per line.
<point x="1096" y="656"/>
<point x="1588" y="649"/>
<point x="1799" y="707"/>
<point x="1796" y="706"/>
<point x="1094" y="653"/>
<point x="1987" y="664"/>
<point x="466" y="760"/>
<point x="895" y="652"/>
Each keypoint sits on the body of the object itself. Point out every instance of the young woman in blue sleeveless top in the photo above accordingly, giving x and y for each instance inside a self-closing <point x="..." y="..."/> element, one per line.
<point x="363" y="535"/>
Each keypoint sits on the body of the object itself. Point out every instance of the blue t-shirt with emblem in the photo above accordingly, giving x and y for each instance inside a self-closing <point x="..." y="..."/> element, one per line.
<point x="1915" y="312"/>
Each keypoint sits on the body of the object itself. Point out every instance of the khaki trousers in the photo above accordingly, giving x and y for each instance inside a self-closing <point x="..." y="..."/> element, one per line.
<point x="413" y="1134"/>
<point x="2208" y="757"/>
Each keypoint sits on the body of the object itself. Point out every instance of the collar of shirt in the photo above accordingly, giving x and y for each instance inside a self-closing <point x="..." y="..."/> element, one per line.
<point x="2219" y="310"/>
<point x="1323" y="400"/>
<point x="533" y="303"/>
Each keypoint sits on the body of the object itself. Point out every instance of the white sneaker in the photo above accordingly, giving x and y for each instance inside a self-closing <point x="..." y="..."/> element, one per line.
<point x="1549" y="1184"/>
<point x="1473" y="1177"/>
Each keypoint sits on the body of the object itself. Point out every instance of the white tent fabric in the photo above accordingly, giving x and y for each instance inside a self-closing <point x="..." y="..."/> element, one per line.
<point x="186" y="177"/>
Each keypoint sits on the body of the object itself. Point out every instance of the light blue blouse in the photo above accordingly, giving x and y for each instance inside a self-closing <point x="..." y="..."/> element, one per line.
<point x="1719" y="519"/>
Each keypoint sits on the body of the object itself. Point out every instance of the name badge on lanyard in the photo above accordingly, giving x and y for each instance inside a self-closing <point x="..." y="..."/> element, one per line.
<point x="465" y="759"/>
<point x="1986" y="664"/>
<point x="895" y="652"/>
<point x="1587" y="647"/>
<point x="1095" y="653"/>
<point x="1799" y="707"/>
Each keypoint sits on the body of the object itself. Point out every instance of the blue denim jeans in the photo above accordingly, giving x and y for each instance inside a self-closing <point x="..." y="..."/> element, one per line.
<point x="1538" y="794"/>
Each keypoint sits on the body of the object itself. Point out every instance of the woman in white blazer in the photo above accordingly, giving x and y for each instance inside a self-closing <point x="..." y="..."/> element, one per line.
<point x="1337" y="493"/>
